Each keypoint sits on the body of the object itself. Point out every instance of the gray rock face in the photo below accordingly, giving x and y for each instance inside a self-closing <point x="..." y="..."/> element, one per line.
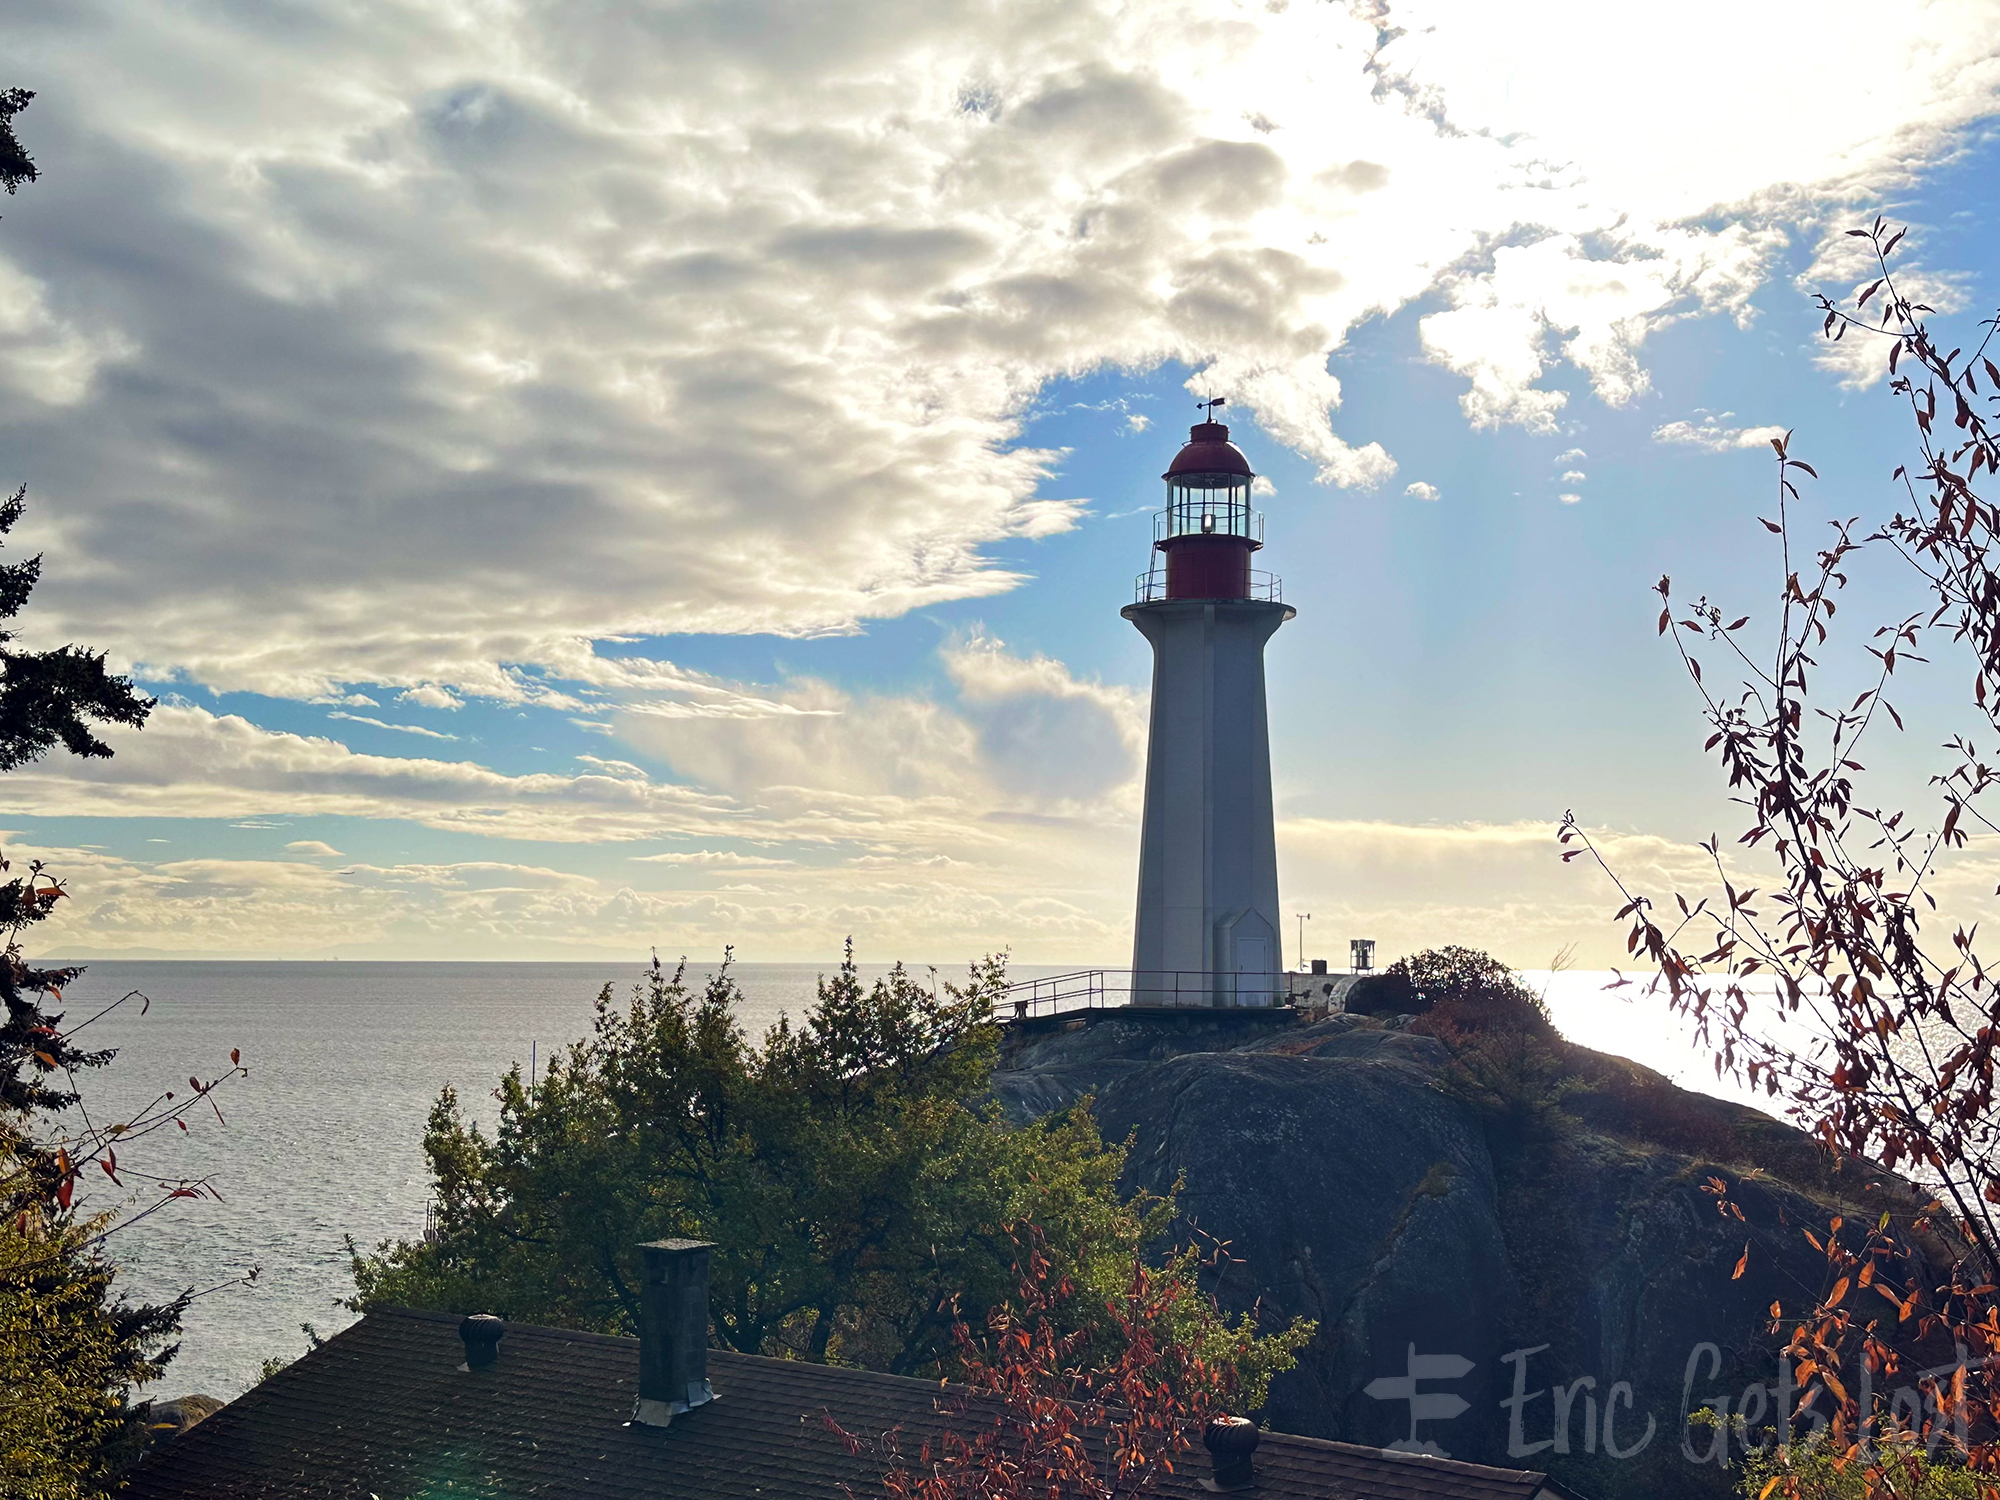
<point x="1386" y="1238"/>
<point x="167" y="1420"/>
<point x="1351" y="1189"/>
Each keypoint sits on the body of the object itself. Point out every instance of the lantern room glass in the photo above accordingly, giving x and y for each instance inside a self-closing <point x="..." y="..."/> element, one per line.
<point x="1209" y="505"/>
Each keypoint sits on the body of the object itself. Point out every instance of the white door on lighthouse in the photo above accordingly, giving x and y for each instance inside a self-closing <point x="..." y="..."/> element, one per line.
<point x="1253" y="963"/>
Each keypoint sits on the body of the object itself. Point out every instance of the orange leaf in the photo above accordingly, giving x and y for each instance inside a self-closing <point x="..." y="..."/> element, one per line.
<point x="1741" y="1265"/>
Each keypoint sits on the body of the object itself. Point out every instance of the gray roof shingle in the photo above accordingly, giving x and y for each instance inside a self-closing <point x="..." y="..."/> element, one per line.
<point x="383" y="1410"/>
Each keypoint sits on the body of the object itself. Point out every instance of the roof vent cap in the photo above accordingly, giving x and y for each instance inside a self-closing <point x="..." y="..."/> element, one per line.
<point x="1230" y="1442"/>
<point x="482" y="1333"/>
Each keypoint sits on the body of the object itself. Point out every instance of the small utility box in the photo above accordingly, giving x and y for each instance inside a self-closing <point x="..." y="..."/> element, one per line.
<point x="1361" y="952"/>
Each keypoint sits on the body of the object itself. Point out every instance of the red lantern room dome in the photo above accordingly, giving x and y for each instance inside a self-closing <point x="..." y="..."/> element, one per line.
<point x="1209" y="451"/>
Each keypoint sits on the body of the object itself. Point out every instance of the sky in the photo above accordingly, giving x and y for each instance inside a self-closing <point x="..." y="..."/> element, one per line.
<point x="587" y="478"/>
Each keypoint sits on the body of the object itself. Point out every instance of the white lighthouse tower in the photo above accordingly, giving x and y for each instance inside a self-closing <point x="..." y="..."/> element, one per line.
<point x="1207" y="928"/>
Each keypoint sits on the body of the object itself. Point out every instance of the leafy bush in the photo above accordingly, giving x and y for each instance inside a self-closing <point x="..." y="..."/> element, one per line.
<point x="1809" y="1470"/>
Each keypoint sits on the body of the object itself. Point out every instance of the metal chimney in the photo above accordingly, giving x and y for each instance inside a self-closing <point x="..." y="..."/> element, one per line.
<point x="673" y="1331"/>
<point x="481" y="1333"/>
<point x="1231" y="1442"/>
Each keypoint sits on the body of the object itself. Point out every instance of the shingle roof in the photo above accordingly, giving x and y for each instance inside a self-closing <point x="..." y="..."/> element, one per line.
<point x="383" y="1410"/>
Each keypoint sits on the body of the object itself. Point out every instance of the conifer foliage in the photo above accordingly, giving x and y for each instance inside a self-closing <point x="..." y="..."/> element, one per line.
<point x="71" y="1348"/>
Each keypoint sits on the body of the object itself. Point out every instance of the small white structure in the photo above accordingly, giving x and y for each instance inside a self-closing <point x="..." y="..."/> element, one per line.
<point x="1207" y="929"/>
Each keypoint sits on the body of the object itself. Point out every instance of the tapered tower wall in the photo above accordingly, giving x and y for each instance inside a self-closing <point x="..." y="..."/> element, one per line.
<point x="1208" y="861"/>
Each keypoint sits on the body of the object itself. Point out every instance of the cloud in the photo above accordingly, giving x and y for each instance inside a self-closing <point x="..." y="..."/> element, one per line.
<point x="885" y="772"/>
<point x="1861" y="358"/>
<point x="1421" y="491"/>
<point x="399" y="728"/>
<point x="430" y="695"/>
<point x="1025" y="735"/>
<point x="1711" y="436"/>
<point x="714" y="859"/>
<point x="1053" y="894"/>
<point x="314" y="848"/>
<point x="1590" y="299"/>
<point x="1569" y="498"/>
<point x="375" y="348"/>
<point x="191" y="763"/>
<point x="1571" y="455"/>
<point x="1574" y="476"/>
<point x="1498" y="886"/>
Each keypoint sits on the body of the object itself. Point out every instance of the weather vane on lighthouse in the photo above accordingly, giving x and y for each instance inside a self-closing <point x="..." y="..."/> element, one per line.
<point x="1207" y="922"/>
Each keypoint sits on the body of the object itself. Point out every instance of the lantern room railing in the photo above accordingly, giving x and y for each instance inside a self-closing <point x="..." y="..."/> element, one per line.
<point x="1265" y="588"/>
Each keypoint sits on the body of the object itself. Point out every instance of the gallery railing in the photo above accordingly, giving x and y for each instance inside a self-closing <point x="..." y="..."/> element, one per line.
<point x="1264" y="587"/>
<point x="1104" y="989"/>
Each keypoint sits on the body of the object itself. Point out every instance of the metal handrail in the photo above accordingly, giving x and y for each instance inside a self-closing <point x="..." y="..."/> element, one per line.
<point x="1265" y="588"/>
<point x="1108" y="989"/>
<point x="1224" y="520"/>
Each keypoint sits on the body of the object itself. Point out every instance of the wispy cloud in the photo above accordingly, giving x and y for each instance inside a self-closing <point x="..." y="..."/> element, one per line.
<point x="1711" y="436"/>
<point x="399" y="728"/>
<point x="714" y="859"/>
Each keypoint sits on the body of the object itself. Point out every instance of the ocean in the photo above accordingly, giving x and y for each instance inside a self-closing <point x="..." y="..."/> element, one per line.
<point x="323" y="1139"/>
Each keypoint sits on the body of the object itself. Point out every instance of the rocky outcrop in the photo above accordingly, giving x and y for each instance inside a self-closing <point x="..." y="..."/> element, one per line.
<point x="167" y="1420"/>
<point x="1558" y="1285"/>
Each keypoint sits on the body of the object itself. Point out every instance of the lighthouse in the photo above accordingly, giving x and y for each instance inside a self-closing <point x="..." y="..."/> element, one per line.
<point x="1208" y="917"/>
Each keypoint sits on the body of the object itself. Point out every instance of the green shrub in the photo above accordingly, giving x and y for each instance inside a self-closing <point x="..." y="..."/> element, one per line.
<point x="1807" y="1471"/>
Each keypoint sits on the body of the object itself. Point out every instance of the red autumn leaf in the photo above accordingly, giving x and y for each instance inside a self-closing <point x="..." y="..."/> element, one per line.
<point x="1743" y="1264"/>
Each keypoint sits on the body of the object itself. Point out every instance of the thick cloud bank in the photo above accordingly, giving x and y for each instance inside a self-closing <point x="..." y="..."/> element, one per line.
<point x="425" y="343"/>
